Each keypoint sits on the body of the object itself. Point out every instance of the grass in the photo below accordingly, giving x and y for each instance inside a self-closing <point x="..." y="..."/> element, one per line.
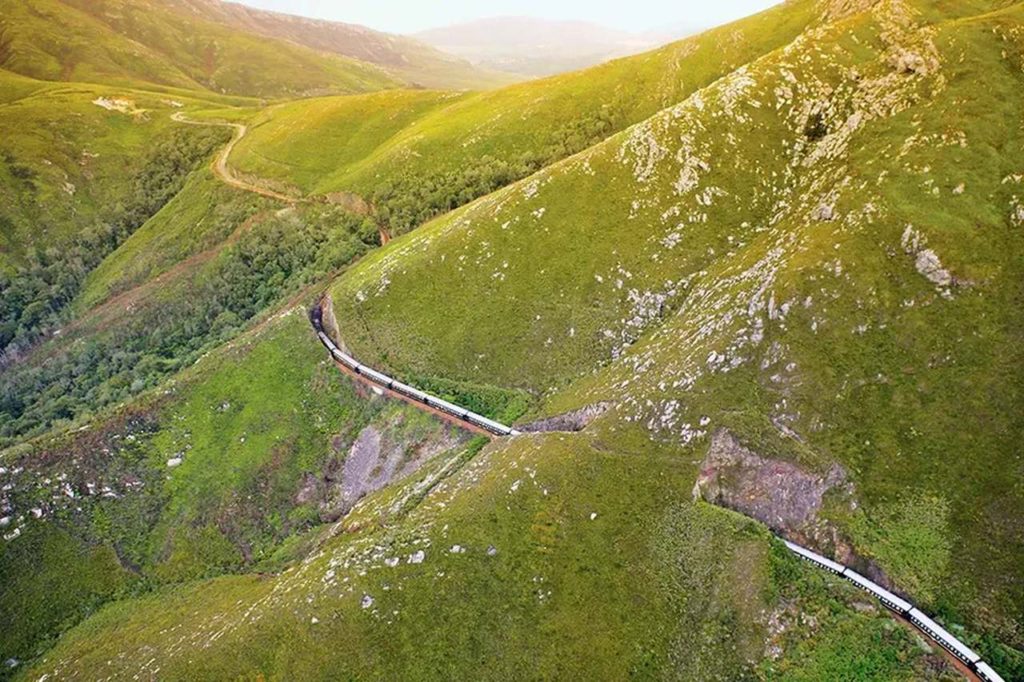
<point x="204" y="215"/>
<point x="251" y="422"/>
<point x="603" y="568"/>
<point x="740" y="260"/>
<point x="149" y="43"/>
<point x="418" y="138"/>
<point x="688" y="261"/>
<point x="313" y="144"/>
<point x="67" y="159"/>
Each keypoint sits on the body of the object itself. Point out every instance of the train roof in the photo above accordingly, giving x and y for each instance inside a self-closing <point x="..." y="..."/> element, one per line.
<point x="986" y="670"/>
<point x="814" y="556"/>
<point x="877" y="589"/>
<point x="945" y="635"/>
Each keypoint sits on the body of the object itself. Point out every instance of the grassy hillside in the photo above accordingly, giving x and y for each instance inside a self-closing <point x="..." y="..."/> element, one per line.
<point x="71" y="154"/>
<point x="418" y="166"/>
<point x="145" y="42"/>
<point x="247" y="484"/>
<point x="549" y="554"/>
<point x="810" y="238"/>
<point x="414" y="62"/>
<point x="825" y="243"/>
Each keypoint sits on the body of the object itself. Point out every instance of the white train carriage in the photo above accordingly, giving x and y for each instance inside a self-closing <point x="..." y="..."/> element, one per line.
<point x="490" y="425"/>
<point x="885" y="596"/>
<point x="986" y="672"/>
<point x="448" y="407"/>
<point x="815" y="558"/>
<point x="407" y="390"/>
<point x="376" y="377"/>
<point x="943" y="637"/>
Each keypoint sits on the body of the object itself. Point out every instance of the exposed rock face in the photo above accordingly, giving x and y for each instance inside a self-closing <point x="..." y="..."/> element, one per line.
<point x="780" y="494"/>
<point x="576" y="420"/>
<point x="379" y="455"/>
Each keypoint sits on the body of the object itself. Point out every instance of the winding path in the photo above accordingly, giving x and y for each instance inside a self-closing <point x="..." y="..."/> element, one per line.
<point x="220" y="164"/>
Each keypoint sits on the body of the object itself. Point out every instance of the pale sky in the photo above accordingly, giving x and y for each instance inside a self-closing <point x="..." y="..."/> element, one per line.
<point x="408" y="16"/>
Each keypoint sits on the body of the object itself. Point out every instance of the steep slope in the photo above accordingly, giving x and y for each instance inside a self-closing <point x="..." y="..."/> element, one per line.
<point x="739" y="263"/>
<point x="143" y="42"/>
<point x="413" y="61"/>
<point x="568" y="557"/>
<point x="223" y="47"/>
<point x="819" y="253"/>
<point x="452" y="154"/>
<point x="71" y="154"/>
<point x="217" y="472"/>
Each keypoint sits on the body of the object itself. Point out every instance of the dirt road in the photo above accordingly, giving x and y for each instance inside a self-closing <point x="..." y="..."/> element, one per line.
<point x="220" y="164"/>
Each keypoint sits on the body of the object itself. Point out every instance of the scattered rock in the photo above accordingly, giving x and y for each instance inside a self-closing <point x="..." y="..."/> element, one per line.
<point x="929" y="265"/>
<point x="367" y="601"/>
<point x="492" y="550"/>
<point x="173" y="462"/>
<point x="593" y="515"/>
<point x="824" y="212"/>
<point x="417" y="557"/>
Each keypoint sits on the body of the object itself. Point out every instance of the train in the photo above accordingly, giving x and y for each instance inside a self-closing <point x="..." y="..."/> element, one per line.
<point x="478" y="420"/>
<point x="895" y="603"/>
<point x="904" y="608"/>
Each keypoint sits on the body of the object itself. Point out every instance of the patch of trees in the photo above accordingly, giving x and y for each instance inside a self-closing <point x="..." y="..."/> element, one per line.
<point x="411" y="200"/>
<point x="71" y="378"/>
<point x="35" y="297"/>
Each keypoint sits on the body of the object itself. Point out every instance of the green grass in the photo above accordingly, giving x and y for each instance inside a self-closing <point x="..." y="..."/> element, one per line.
<point x="695" y="235"/>
<point x="667" y="248"/>
<point x="414" y="141"/>
<point x="149" y="43"/>
<point x="604" y="569"/>
<point x="251" y="422"/>
<point x="313" y="144"/>
<point x="201" y="217"/>
<point x="51" y="580"/>
<point x="67" y="160"/>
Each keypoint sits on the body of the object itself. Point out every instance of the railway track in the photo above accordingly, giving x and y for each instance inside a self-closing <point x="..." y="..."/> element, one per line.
<point x="969" y="661"/>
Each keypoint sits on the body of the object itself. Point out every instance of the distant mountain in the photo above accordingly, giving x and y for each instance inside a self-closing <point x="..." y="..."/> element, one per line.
<point x="221" y="47"/>
<point x="537" y="47"/>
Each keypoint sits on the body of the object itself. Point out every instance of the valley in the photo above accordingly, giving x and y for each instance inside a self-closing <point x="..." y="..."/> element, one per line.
<point x="754" y="285"/>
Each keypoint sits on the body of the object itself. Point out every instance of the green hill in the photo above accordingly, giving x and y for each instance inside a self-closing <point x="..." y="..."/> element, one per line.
<point x="147" y="43"/>
<point x="802" y="231"/>
<point x="71" y="149"/>
<point x="822" y="247"/>
<point x="430" y="160"/>
<point x="221" y="47"/>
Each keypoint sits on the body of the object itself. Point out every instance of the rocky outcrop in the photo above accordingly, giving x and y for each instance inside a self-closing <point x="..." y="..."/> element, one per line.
<point x="780" y="494"/>
<point x="576" y="420"/>
<point x="379" y="455"/>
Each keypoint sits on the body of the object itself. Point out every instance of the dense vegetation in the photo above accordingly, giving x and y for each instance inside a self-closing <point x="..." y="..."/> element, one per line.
<point x="407" y="199"/>
<point x="103" y="361"/>
<point x="35" y="298"/>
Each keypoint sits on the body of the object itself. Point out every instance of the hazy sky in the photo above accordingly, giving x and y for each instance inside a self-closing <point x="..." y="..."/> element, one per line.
<point x="407" y="16"/>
